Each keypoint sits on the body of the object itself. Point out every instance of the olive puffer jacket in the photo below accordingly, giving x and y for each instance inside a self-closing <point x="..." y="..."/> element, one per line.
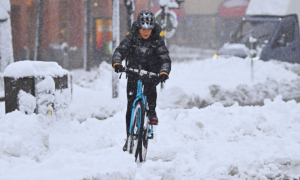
<point x="151" y="54"/>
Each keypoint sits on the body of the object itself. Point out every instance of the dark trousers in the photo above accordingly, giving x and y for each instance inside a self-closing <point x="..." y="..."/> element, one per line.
<point x="149" y="90"/>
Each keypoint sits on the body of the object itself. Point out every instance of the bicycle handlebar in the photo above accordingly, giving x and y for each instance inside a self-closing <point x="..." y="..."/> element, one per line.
<point x="139" y="72"/>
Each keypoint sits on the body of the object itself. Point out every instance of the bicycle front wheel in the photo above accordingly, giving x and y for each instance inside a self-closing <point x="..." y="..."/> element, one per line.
<point x="137" y="130"/>
<point x="144" y="142"/>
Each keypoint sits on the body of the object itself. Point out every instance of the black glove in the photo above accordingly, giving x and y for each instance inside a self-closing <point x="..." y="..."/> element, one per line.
<point x="118" y="68"/>
<point x="163" y="78"/>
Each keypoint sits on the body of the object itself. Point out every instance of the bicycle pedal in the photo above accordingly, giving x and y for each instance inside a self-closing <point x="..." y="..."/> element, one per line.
<point x="151" y="136"/>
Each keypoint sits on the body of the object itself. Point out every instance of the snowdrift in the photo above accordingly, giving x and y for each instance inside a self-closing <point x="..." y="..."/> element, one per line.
<point x="224" y="140"/>
<point x="216" y="142"/>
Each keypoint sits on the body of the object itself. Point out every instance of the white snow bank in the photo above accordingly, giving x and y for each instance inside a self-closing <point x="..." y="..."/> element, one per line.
<point x="6" y="49"/>
<point x="34" y="68"/>
<point x="212" y="143"/>
<point x="4" y="9"/>
<point x="34" y="147"/>
<point x="45" y="91"/>
<point x="192" y="83"/>
<point x="94" y="90"/>
<point x="27" y="102"/>
<point x="273" y="7"/>
<point x="227" y="72"/>
<point x="216" y="142"/>
<point x="228" y="143"/>
<point x="22" y="136"/>
<point x="3" y="14"/>
<point x="5" y="4"/>
<point x="51" y="102"/>
<point x="226" y="80"/>
<point x="181" y="53"/>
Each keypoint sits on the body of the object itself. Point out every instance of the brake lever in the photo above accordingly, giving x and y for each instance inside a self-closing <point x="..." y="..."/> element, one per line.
<point x="123" y="70"/>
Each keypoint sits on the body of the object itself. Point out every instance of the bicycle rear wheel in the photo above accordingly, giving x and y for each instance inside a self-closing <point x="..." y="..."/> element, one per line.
<point x="137" y="130"/>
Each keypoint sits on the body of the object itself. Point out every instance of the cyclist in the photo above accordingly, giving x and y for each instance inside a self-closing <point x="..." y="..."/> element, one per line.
<point x="143" y="48"/>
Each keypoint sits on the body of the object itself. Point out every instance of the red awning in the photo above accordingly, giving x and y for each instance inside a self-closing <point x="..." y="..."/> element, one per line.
<point x="233" y="8"/>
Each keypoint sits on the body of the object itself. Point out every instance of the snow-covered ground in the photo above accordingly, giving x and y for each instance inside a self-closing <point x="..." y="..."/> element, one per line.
<point x="221" y="141"/>
<point x="181" y="53"/>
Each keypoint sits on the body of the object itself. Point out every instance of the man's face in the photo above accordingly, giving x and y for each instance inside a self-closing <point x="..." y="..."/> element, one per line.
<point x="145" y="33"/>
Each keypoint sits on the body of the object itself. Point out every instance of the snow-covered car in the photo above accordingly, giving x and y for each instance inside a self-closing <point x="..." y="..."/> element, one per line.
<point x="276" y="31"/>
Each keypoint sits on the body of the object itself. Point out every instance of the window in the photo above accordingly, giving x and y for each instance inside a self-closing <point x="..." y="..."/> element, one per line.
<point x="286" y="34"/>
<point x="262" y="30"/>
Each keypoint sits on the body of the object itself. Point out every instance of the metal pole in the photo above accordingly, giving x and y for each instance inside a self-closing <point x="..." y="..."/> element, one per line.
<point x="252" y="72"/>
<point x="115" y="43"/>
<point x="39" y="30"/>
<point x="252" y="56"/>
<point x="164" y="22"/>
<point x="164" y="25"/>
<point x="87" y="59"/>
<point x="130" y="8"/>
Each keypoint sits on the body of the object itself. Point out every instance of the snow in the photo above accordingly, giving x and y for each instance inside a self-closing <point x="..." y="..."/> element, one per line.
<point x="227" y="80"/>
<point x="46" y="100"/>
<point x="273" y="7"/>
<point x="6" y="49"/>
<point x="236" y="3"/>
<point x="3" y="14"/>
<point x="221" y="141"/>
<point x="168" y="3"/>
<point x="27" y="102"/>
<point x="4" y="9"/>
<point x="5" y="4"/>
<point x="34" y="68"/>
<point x="180" y="53"/>
<point x="232" y="49"/>
<point x="24" y="137"/>
<point x="45" y="89"/>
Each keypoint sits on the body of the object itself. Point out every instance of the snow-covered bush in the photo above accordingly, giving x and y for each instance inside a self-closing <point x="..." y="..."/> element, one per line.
<point x="62" y="98"/>
<point x="45" y="90"/>
<point x="27" y="102"/>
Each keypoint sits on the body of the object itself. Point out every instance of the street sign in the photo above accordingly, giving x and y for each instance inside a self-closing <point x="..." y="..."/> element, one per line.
<point x="172" y="22"/>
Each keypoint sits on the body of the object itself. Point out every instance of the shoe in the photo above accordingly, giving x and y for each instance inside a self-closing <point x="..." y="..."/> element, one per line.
<point x="152" y="117"/>
<point x="125" y="145"/>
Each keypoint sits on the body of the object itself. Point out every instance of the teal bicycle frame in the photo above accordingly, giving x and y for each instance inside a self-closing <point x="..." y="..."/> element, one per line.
<point x="140" y="131"/>
<point x="139" y="96"/>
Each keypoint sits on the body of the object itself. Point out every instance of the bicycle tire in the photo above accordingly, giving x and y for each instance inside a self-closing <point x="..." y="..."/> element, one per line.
<point x="137" y="130"/>
<point x="145" y="140"/>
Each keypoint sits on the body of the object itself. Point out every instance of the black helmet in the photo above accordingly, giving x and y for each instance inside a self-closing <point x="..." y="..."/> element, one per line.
<point x="146" y="20"/>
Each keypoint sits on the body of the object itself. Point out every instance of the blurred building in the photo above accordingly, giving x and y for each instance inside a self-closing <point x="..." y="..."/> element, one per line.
<point x="202" y="24"/>
<point x="63" y="29"/>
<point x="209" y="23"/>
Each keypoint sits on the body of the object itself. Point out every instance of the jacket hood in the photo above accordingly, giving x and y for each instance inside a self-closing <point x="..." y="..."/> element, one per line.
<point x="155" y="31"/>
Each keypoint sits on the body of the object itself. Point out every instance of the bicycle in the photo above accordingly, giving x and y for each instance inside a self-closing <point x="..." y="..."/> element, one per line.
<point x="140" y="131"/>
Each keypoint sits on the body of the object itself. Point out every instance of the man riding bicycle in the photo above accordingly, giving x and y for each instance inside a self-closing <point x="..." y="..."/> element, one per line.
<point x="143" y="48"/>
